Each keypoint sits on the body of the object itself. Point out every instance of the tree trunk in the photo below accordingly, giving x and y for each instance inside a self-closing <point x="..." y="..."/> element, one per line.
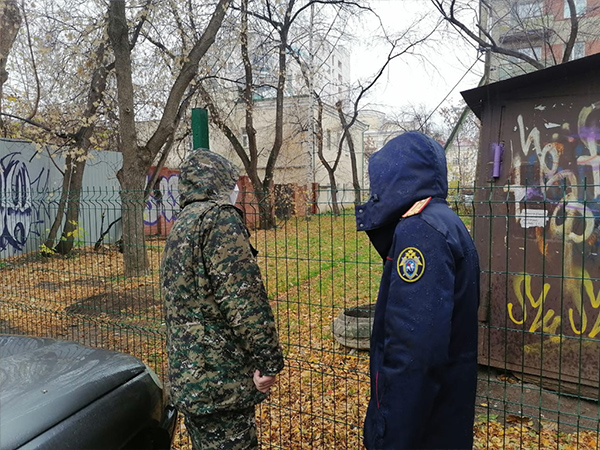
<point x="138" y="159"/>
<point x="132" y="213"/>
<point x="267" y="219"/>
<point x="75" y="165"/>
<point x="62" y="204"/>
<point x="133" y="173"/>
<point x="71" y="229"/>
<point x="335" y="207"/>
<point x="328" y="167"/>
<point x="265" y="209"/>
<point x="355" y="181"/>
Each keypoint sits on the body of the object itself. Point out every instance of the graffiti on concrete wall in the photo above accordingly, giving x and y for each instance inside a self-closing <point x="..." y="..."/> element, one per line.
<point x="555" y="185"/>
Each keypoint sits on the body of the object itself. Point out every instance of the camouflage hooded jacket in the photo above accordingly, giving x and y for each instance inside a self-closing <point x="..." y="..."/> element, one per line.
<point x="220" y="326"/>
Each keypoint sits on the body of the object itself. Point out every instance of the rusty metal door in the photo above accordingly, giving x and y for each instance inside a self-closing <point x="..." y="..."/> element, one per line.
<point x="537" y="230"/>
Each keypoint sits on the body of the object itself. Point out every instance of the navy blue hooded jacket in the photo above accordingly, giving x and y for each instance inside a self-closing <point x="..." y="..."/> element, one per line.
<point x="424" y="343"/>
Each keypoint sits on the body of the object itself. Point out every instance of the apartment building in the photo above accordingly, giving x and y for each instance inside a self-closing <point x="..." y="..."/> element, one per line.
<point x="540" y="29"/>
<point x="327" y="66"/>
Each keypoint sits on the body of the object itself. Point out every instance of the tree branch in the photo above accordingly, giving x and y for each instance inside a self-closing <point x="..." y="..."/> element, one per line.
<point x="186" y="75"/>
<point x="60" y="134"/>
<point x="574" y="29"/>
<point x="492" y="46"/>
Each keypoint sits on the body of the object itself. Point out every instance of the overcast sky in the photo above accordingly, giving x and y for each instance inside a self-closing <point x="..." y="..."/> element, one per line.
<point x="412" y="80"/>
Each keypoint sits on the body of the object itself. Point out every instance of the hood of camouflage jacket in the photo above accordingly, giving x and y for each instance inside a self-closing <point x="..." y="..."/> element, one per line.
<point x="205" y="175"/>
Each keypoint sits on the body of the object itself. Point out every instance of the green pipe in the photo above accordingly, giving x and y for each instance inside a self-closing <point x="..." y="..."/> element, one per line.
<point x="200" y="128"/>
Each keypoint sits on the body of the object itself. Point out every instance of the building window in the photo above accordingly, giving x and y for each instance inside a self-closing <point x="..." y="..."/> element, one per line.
<point x="578" y="51"/>
<point x="527" y="9"/>
<point x="532" y="52"/>
<point x="580" y="6"/>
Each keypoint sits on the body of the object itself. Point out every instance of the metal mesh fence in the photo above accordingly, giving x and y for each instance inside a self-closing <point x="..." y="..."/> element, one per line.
<point x="538" y="380"/>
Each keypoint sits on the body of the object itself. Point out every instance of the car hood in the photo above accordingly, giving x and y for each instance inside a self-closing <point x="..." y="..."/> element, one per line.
<point x="43" y="381"/>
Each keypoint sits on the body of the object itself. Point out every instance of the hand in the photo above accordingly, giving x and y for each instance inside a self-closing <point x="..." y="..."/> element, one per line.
<point x="263" y="383"/>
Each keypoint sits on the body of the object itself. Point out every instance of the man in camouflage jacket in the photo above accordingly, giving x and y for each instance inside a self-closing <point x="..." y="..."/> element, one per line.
<point x="221" y="338"/>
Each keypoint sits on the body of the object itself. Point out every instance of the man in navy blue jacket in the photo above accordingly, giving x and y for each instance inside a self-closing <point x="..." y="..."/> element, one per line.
<point x="424" y="343"/>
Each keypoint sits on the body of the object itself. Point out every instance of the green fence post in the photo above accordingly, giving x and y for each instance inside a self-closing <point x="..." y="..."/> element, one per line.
<point x="200" y="128"/>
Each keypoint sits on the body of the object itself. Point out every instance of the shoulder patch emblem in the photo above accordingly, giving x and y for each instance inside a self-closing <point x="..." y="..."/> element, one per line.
<point x="411" y="264"/>
<point x="417" y="207"/>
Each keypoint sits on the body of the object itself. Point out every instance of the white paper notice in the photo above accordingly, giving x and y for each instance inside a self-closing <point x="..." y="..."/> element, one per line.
<point x="533" y="218"/>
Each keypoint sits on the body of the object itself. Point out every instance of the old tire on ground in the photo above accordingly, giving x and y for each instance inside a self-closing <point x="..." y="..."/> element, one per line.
<point x="352" y="327"/>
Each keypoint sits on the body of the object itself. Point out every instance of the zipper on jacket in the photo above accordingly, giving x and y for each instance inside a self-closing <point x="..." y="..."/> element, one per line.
<point x="377" y="388"/>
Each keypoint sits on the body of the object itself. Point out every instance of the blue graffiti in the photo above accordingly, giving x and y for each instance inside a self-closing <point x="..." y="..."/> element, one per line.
<point x="163" y="200"/>
<point x="15" y="203"/>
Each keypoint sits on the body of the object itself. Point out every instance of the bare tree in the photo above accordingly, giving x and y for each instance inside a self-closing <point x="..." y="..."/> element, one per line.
<point x="137" y="158"/>
<point x="76" y="107"/>
<point x="269" y="30"/>
<point x="278" y="29"/>
<point x="462" y="139"/>
<point x="310" y="66"/>
<point x="10" y="21"/>
<point x="416" y="117"/>
<point x="64" y="128"/>
<point x="401" y="45"/>
<point x="75" y="162"/>
<point x="521" y="31"/>
<point x="70" y="130"/>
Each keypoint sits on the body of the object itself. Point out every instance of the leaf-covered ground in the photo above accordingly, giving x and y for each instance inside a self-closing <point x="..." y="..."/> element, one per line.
<point x="313" y="269"/>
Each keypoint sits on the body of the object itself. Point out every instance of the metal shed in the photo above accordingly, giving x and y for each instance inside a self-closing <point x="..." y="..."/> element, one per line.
<point x="537" y="224"/>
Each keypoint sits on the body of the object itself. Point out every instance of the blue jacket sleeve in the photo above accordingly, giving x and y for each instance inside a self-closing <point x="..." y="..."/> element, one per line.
<point x="417" y="326"/>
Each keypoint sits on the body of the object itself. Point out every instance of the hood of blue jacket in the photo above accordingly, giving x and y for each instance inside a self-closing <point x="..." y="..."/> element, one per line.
<point x="408" y="168"/>
<point x="206" y="175"/>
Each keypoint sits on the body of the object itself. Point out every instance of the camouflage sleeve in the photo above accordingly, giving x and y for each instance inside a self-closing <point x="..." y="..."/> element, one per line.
<point x="239" y="291"/>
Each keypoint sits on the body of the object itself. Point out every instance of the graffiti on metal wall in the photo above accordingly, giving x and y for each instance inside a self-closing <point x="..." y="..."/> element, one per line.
<point x="17" y="210"/>
<point x="27" y="206"/>
<point x="162" y="203"/>
<point x="555" y="185"/>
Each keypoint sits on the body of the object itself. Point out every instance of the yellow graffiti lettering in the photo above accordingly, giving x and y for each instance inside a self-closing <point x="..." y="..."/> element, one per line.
<point x="546" y="319"/>
<point x="594" y="301"/>
<point x="595" y="328"/>
<point x="583" y="321"/>
<point x="537" y="322"/>
<point x="550" y="321"/>
<point x="551" y="327"/>
<point x="546" y="323"/>
<point x="517" y="281"/>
